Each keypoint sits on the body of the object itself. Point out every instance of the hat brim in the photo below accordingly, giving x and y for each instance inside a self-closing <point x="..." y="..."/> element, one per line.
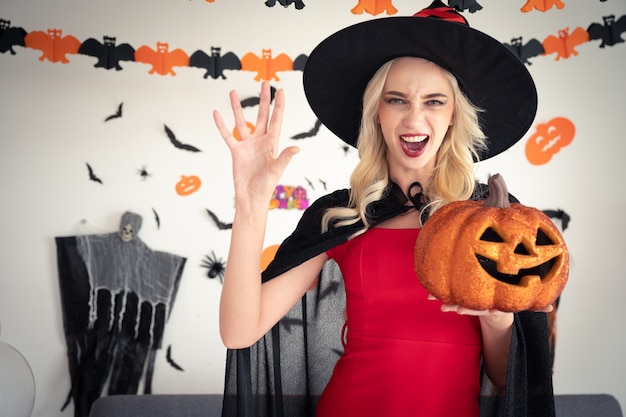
<point x="494" y="79"/>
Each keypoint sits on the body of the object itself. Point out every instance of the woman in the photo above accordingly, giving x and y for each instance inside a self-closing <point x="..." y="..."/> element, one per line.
<point x="418" y="134"/>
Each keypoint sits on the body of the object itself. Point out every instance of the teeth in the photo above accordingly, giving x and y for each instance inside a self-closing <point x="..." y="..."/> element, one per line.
<point x="414" y="139"/>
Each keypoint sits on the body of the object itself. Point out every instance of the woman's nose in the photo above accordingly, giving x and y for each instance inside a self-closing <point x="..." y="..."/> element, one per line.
<point x="414" y="115"/>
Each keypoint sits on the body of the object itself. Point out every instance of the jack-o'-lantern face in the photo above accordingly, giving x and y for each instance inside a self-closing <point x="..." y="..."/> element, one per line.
<point x="549" y="139"/>
<point x="188" y="185"/>
<point x="508" y="258"/>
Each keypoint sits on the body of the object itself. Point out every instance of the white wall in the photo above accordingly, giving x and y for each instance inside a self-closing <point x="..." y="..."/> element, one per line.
<point x="51" y="121"/>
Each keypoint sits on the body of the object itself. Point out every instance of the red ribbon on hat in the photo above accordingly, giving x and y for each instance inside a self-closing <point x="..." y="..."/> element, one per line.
<point x="444" y="13"/>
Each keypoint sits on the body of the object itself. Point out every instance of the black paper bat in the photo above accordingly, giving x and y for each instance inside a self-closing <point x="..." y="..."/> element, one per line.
<point x="117" y="114"/>
<point x="157" y="219"/>
<point x="168" y="357"/>
<point x="310" y="183"/>
<point x="323" y="183"/>
<point x="310" y="133"/>
<point x="92" y="176"/>
<point x="558" y="214"/>
<point x="220" y="224"/>
<point x="109" y="55"/>
<point x="177" y="143"/>
<point x="215" y="64"/>
<point x="298" y="3"/>
<point x="254" y="101"/>
<point x="531" y="49"/>
<point x="609" y="32"/>
<point x="299" y="62"/>
<point x="461" y="5"/>
<point x="10" y="36"/>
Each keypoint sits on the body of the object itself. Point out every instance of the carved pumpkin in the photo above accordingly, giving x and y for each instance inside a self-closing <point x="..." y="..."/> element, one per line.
<point x="492" y="254"/>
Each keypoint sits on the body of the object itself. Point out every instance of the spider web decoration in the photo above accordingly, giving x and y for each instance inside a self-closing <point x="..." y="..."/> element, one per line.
<point x="116" y="296"/>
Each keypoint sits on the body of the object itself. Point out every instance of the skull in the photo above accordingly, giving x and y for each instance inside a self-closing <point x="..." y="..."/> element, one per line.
<point x="129" y="226"/>
<point x="127" y="233"/>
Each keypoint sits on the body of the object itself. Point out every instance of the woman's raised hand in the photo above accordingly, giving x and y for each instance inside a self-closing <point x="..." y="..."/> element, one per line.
<point x="257" y="165"/>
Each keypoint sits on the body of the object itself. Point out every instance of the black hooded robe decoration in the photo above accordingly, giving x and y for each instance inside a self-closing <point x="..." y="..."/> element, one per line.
<point x="285" y="372"/>
<point x="116" y="295"/>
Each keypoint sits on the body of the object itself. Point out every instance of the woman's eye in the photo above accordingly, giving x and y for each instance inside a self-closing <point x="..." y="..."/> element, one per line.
<point x="394" y="100"/>
<point x="435" y="103"/>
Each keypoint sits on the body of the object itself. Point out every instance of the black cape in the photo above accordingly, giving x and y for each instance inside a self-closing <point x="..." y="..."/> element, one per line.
<point x="285" y="372"/>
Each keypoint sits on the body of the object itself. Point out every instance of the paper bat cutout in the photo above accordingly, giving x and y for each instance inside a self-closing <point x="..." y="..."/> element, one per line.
<point x="609" y="32"/>
<point x="92" y="175"/>
<point x="109" y="55"/>
<point x="216" y="267"/>
<point x="254" y="101"/>
<point x="564" y="45"/>
<point x="215" y="64"/>
<point x="542" y="5"/>
<point x="323" y="183"/>
<point x="177" y="143"/>
<point x="10" y="36"/>
<point x="168" y="357"/>
<point x="558" y="214"/>
<point x="157" y="219"/>
<point x="220" y="224"/>
<point x="300" y="62"/>
<point x="117" y="114"/>
<point x="310" y="183"/>
<point x="374" y="7"/>
<point x="266" y="66"/>
<point x="461" y="5"/>
<point x="298" y="3"/>
<point x="53" y="45"/>
<point x="162" y="59"/>
<point x="310" y="133"/>
<point x="530" y="49"/>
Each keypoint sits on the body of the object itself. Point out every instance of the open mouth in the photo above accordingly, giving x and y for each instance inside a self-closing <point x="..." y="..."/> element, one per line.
<point x="414" y="143"/>
<point x="491" y="268"/>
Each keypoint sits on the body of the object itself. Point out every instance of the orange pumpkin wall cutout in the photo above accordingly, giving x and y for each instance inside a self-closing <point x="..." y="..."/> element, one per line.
<point x="492" y="254"/>
<point x="549" y="138"/>
<point x="188" y="185"/>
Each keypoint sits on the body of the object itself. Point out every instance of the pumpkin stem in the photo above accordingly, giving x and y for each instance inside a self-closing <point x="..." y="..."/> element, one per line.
<point x="498" y="193"/>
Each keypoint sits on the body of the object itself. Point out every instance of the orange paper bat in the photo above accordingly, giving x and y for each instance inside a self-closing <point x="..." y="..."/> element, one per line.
<point x="53" y="44"/>
<point x="564" y="45"/>
<point x="163" y="61"/>
<point x="266" y="66"/>
<point x="374" y="7"/>
<point x="542" y="5"/>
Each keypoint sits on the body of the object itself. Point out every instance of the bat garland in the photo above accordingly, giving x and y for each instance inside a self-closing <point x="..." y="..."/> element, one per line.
<point x="55" y="46"/>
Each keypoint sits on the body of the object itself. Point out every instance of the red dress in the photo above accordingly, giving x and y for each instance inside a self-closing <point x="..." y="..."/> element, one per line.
<point x="404" y="356"/>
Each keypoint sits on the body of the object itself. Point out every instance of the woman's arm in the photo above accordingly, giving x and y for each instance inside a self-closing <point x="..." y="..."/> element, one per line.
<point x="248" y="309"/>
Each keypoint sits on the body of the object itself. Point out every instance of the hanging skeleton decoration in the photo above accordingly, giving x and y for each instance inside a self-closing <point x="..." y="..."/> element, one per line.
<point x="116" y="295"/>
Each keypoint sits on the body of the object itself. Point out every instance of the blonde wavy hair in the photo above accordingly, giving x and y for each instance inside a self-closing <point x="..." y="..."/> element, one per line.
<point x="453" y="177"/>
